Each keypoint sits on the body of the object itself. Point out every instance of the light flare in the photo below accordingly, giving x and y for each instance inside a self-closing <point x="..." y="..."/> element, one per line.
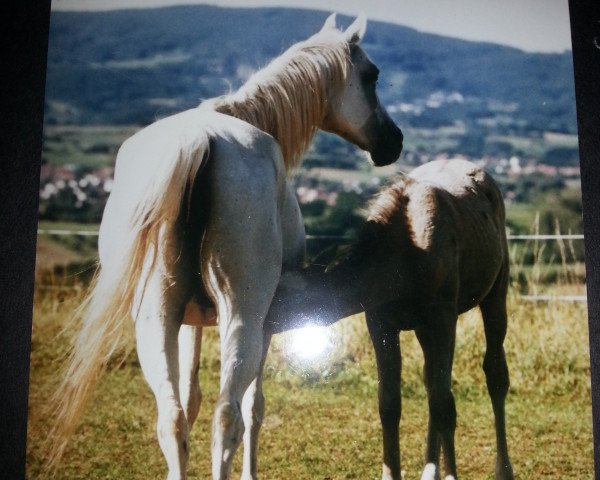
<point x="310" y="344"/>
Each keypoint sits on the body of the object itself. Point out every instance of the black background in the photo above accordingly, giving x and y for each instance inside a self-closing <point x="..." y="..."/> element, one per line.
<point x="585" y="33"/>
<point x="23" y="50"/>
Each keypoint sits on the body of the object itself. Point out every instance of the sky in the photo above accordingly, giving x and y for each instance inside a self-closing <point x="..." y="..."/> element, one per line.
<point x="531" y="25"/>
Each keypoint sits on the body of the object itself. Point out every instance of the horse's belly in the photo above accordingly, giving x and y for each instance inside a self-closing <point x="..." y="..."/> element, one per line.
<point x="477" y="279"/>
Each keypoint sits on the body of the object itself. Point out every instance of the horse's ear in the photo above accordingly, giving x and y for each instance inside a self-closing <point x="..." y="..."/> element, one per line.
<point x="356" y="31"/>
<point x="329" y="23"/>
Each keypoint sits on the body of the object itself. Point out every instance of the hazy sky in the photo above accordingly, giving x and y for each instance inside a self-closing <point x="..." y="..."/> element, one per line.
<point x="532" y="25"/>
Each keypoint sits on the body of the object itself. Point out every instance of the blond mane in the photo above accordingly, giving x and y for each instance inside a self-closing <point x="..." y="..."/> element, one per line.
<point x="288" y="98"/>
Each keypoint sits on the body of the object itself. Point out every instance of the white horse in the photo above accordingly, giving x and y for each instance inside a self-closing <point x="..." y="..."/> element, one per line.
<point x="202" y="215"/>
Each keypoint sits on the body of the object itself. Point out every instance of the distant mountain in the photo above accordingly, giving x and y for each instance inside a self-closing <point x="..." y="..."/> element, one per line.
<point x="133" y="66"/>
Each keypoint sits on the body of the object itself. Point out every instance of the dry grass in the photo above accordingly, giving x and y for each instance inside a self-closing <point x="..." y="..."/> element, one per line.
<point x="321" y="420"/>
<point x="321" y="417"/>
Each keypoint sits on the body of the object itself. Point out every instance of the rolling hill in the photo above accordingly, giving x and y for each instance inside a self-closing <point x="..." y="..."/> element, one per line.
<point x="133" y="66"/>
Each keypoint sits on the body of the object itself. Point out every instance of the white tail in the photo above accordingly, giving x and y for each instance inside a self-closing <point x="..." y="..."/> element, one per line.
<point x="155" y="169"/>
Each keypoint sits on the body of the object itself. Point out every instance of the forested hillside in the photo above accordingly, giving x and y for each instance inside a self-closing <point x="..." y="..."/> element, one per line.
<point x="131" y="66"/>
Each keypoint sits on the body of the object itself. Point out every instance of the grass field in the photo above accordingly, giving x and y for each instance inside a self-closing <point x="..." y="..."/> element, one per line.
<point x="85" y="146"/>
<point x="321" y="417"/>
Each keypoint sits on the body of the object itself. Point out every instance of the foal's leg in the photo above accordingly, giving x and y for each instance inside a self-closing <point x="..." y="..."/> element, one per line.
<point x="493" y="310"/>
<point x="436" y="335"/>
<point x="387" y="352"/>
<point x="253" y="410"/>
<point x="157" y="326"/>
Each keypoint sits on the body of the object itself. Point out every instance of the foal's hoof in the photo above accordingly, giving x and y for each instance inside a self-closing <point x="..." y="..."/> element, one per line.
<point x="504" y="471"/>
<point x="388" y="474"/>
<point x="430" y="472"/>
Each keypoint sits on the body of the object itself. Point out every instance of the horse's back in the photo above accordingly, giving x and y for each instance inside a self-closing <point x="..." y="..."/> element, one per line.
<point x="149" y="154"/>
<point x="165" y="140"/>
<point x="470" y="190"/>
<point x="474" y="222"/>
<point x="243" y="171"/>
<point x="462" y="179"/>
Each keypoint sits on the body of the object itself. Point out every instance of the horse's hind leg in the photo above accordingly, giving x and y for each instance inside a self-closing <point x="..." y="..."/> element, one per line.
<point x="493" y="311"/>
<point x="242" y="310"/>
<point x="253" y="410"/>
<point x="241" y="260"/>
<point x="436" y="334"/>
<point x="190" y="343"/>
<point x="241" y="359"/>
<point x="387" y="353"/>
<point x="157" y="326"/>
<point x="190" y="340"/>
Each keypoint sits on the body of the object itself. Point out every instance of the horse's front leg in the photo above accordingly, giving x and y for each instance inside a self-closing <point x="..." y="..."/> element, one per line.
<point x="436" y="334"/>
<point x="386" y="343"/>
<point x="157" y="326"/>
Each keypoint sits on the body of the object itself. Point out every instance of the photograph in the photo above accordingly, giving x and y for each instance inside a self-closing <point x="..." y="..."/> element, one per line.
<point x="310" y="241"/>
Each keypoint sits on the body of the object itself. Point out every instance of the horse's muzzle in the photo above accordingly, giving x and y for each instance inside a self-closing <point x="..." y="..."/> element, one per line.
<point x="386" y="140"/>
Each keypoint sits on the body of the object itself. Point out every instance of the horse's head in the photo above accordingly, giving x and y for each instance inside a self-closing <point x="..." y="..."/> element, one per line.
<point x="354" y="111"/>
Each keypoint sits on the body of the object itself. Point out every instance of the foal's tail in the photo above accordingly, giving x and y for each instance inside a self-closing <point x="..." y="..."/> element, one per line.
<point x="147" y="201"/>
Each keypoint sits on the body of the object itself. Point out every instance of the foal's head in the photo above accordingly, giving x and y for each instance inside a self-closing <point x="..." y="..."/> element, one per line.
<point x="354" y="111"/>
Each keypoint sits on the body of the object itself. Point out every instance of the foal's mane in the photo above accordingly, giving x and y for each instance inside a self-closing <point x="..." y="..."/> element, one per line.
<point x="390" y="201"/>
<point x="288" y="98"/>
<point x="390" y="219"/>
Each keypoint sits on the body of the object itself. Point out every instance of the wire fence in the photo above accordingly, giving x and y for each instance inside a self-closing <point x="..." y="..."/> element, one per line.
<point x="513" y="238"/>
<point x="94" y="233"/>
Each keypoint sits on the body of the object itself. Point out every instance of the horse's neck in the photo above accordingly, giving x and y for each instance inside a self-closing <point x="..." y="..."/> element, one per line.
<point x="268" y="108"/>
<point x="289" y="98"/>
